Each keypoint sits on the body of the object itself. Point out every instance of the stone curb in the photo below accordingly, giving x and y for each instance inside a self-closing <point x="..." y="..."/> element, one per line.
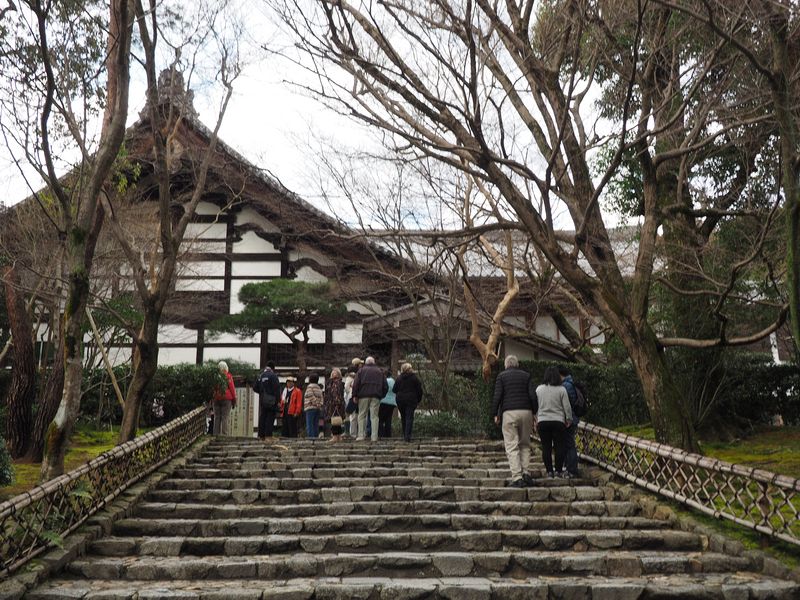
<point x="97" y="526"/>
<point x="653" y="507"/>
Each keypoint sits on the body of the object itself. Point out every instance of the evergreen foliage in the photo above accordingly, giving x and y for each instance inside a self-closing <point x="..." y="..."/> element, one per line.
<point x="292" y="306"/>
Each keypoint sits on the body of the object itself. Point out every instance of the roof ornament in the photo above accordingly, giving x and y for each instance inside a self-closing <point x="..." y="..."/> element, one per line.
<point x="172" y="90"/>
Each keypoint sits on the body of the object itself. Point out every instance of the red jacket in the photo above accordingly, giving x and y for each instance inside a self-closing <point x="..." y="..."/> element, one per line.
<point x="229" y="393"/>
<point x="293" y="401"/>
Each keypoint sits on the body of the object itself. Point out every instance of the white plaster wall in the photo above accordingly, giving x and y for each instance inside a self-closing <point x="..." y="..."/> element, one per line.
<point x="248" y="215"/>
<point x="237" y="285"/>
<point x="546" y="326"/>
<point x="205" y="268"/>
<point x="353" y="333"/>
<point x="596" y="336"/>
<point x="309" y="275"/>
<point x="200" y="285"/>
<point x="206" y="230"/>
<point x="521" y="351"/>
<point x="176" y="334"/>
<point x="207" y="208"/>
<point x="256" y="268"/>
<point x="250" y="242"/>
<point x="249" y="355"/>
<point x="198" y="246"/>
<point x="173" y="356"/>
<point x="120" y="355"/>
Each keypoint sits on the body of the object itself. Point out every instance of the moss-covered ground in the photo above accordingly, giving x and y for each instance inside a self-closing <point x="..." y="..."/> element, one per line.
<point x="85" y="445"/>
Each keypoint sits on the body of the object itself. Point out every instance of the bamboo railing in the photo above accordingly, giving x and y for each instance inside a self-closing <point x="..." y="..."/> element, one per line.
<point x="41" y="517"/>
<point x="766" y="502"/>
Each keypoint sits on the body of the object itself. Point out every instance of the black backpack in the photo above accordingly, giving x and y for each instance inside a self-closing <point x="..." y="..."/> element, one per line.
<point x="580" y="406"/>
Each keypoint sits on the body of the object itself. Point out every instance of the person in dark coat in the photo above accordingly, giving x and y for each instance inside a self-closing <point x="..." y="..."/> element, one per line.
<point x="268" y="388"/>
<point x="514" y="405"/>
<point x="408" y="394"/>
<point x="369" y="387"/>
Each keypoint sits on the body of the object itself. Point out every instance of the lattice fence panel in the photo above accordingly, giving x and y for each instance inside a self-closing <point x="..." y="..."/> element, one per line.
<point x="34" y="520"/>
<point x="758" y="499"/>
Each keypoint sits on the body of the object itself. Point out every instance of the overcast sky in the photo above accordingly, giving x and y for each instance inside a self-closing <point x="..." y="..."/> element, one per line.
<point x="268" y="121"/>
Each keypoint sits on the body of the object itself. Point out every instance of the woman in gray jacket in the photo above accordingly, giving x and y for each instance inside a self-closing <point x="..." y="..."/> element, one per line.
<point x="553" y="417"/>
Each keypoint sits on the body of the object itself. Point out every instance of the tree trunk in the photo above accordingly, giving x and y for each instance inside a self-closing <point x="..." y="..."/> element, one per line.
<point x="48" y="404"/>
<point x="83" y="221"/>
<point x="301" y="352"/>
<point x="671" y="421"/>
<point x="60" y="429"/>
<point x="23" y="375"/>
<point x="145" y="361"/>
<point x="784" y="101"/>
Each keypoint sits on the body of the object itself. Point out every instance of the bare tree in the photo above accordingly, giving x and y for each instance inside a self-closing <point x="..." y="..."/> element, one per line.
<point x="168" y="109"/>
<point x="504" y="93"/>
<point x="56" y="76"/>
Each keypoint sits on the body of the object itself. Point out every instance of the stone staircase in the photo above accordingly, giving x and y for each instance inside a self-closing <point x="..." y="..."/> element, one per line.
<point x="301" y="520"/>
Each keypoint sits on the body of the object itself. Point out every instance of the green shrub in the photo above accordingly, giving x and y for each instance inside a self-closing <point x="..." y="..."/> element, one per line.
<point x="6" y="468"/>
<point x="179" y="389"/>
<point x="441" y="424"/>
<point x="174" y="391"/>
<point x="753" y="389"/>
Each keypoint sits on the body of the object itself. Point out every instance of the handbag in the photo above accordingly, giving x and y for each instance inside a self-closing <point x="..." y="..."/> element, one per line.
<point x="336" y="418"/>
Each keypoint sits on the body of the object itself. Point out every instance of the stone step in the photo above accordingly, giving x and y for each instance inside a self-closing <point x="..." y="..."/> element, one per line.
<point x="304" y="483"/>
<point x="334" y="541"/>
<point x="350" y="472"/>
<point x="521" y="564"/>
<point x="350" y="462"/>
<point x="595" y="508"/>
<point x="354" y="453"/>
<point x="430" y="444"/>
<point x="345" y="524"/>
<point x="357" y="493"/>
<point x="703" y="586"/>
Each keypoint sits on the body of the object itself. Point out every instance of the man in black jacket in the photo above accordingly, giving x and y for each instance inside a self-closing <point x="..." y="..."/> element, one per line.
<point x="369" y="387"/>
<point x="515" y="404"/>
<point x="268" y="388"/>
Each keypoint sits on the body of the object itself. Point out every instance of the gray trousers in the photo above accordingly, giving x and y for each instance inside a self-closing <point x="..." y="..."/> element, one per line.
<point x="517" y="428"/>
<point x="222" y="417"/>
<point x="370" y="405"/>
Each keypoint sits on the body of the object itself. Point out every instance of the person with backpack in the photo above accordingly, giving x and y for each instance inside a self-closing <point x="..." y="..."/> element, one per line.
<point x="577" y="401"/>
<point x="268" y="387"/>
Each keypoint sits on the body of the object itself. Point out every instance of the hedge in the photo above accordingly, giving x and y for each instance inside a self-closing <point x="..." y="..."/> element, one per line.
<point x="174" y="391"/>
<point x="615" y="396"/>
<point x="752" y="390"/>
